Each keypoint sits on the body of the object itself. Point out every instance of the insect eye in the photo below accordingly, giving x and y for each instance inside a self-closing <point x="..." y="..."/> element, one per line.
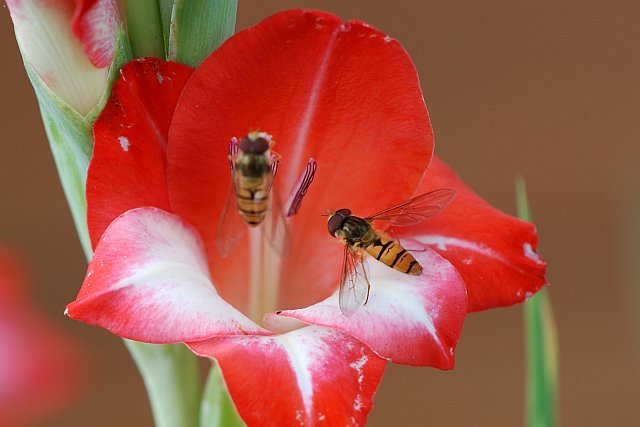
<point x="254" y="146"/>
<point x="335" y="223"/>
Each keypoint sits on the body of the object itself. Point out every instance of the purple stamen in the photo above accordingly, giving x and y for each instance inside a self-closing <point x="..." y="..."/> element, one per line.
<point x="302" y="186"/>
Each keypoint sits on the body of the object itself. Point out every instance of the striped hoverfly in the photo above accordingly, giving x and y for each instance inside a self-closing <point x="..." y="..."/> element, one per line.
<point x="252" y="199"/>
<point x="359" y="237"/>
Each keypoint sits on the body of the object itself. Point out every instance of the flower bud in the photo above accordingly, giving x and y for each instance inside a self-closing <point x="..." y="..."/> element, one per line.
<point x="69" y="44"/>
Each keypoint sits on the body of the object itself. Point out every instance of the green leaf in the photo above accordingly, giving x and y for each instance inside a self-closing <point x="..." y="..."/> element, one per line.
<point x="198" y="27"/>
<point x="217" y="408"/>
<point x="144" y="22"/>
<point x="172" y="378"/>
<point x="541" y="345"/>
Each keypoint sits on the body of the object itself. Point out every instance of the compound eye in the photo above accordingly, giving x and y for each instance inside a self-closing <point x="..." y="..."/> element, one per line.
<point x="336" y="220"/>
<point x="254" y="146"/>
<point x="335" y="223"/>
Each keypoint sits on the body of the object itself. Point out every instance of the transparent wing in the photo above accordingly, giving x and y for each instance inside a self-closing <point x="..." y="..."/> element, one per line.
<point x="416" y="210"/>
<point x="354" y="284"/>
<point x="274" y="226"/>
<point x="231" y="227"/>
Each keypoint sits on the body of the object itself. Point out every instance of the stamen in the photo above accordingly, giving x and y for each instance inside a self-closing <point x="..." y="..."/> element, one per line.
<point x="302" y="186"/>
<point x="275" y="162"/>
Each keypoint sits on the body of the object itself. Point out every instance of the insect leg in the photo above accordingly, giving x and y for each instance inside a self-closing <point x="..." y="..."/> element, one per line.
<point x="232" y="154"/>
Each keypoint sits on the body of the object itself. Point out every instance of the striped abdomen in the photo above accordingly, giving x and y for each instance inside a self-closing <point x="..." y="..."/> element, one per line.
<point x="252" y="197"/>
<point x="392" y="254"/>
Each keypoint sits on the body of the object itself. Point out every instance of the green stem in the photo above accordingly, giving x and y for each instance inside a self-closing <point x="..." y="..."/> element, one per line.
<point x="541" y="346"/>
<point x="144" y="23"/>
<point x="172" y="379"/>
<point x="217" y="408"/>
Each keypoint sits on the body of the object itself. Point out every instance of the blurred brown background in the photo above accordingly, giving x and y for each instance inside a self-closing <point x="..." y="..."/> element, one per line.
<point x="547" y="89"/>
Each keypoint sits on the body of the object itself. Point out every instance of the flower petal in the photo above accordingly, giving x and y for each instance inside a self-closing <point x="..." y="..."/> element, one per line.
<point x="413" y="320"/>
<point x="95" y="23"/>
<point x="149" y="281"/>
<point x="43" y="31"/>
<point x="344" y="94"/>
<point x="494" y="252"/>
<point x="128" y="166"/>
<point x="310" y="377"/>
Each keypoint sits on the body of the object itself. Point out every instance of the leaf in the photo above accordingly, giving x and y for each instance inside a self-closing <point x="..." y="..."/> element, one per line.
<point x="541" y="345"/>
<point x="198" y="27"/>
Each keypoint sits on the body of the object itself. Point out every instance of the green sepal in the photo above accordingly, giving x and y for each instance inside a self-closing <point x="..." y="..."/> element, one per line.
<point x="217" y="408"/>
<point x="121" y="56"/>
<point x="198" y="27"/>
<point x="541" y="346"/>
<point x="71" y="142"/>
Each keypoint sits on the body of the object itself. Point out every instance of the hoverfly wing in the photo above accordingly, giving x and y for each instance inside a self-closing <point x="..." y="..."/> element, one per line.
<point x="274" y="226"/>
<point x="231" y="227"/>
<point x="354" y="283"/>
<point x="417" y="209"/>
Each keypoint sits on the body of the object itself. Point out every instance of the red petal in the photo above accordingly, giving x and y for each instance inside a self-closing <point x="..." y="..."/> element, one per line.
<point x="494" y="252"/>
<point x="128" y="166"/>
<point x="414" y="320"/>
<point x="311" y="377"/>
<point x="96" y="23"/>
<point x="344" y="94"/>
<point x="148" y="281"/>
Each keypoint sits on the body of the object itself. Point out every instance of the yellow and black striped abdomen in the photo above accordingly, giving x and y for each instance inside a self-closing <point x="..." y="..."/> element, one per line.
<point x="393" y="255"/>
<point x="252" y="197"/>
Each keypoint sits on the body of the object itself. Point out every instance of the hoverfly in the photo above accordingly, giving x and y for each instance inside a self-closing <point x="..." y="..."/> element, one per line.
<point x="359" y="237"/>
<point x="249" y="200"/>
<point x="252" y="200"/>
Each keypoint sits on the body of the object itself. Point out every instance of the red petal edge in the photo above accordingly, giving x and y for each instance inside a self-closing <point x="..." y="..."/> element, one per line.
<point x="412" y="320"/>
<point x="309" y="377"/>
<point x="127" y="170"/>
<point x="148" y="281"/>
<point x="494" y="252"/>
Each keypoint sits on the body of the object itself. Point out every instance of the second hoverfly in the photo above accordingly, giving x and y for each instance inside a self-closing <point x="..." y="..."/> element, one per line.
<point x="360" y="237"/>
<point x="250" y="199"/>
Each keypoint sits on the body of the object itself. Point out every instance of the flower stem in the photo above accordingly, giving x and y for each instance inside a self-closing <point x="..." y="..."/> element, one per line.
<point x="172" y="379"/>
<point x="217" y="408"/>
<point x="541" y="345"/>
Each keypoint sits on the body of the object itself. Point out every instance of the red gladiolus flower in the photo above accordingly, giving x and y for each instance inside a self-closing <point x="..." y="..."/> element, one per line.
<point x="347" y="96"/>
<point x="39" y="366"/>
